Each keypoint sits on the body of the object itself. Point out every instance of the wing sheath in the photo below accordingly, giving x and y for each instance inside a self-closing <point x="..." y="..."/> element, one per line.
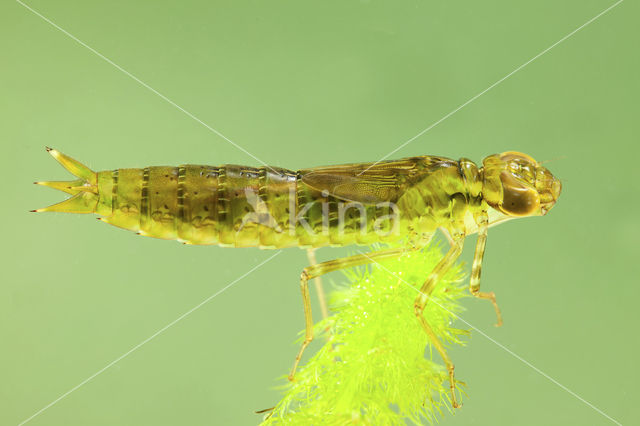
<point x="369" y="183"/>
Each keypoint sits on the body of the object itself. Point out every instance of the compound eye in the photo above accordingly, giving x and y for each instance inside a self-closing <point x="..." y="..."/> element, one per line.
<point x="517" y="198"/>
<point x="519" y="156"/>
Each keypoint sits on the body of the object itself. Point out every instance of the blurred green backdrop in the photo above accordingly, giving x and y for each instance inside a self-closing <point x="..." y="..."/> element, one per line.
<point x="302" y="84"/>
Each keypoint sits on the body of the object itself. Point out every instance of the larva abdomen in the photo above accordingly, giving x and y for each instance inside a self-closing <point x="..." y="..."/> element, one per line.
<point x="229" y="205"/>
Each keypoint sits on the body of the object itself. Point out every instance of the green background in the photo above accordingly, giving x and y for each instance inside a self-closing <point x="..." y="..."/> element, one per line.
<point x="301" y="84"/>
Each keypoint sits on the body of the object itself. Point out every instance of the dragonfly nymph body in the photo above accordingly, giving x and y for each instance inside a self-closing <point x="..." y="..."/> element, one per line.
<point x="403" y="201"/>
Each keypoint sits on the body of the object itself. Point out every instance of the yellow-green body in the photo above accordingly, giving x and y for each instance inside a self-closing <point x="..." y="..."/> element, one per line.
<point x="270" y="207"/>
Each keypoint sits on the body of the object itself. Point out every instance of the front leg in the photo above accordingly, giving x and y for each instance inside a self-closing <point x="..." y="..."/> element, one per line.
<point x="474" y="286"/>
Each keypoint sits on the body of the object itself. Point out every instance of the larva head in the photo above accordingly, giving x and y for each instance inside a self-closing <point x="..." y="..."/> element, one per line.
<point x="517" y="185"/>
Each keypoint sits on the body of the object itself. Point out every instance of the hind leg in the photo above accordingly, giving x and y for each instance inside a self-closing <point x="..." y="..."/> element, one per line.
<point x="314" y="271"/>
<point x="311" y="255"/>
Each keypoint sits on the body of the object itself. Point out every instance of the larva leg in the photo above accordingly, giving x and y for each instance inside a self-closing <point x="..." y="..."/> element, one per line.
<point x="319" y="269"/>
<point x="421" y="301"/>
<point x="447" y="235"/>
<point x="476" y="270"/>
<point x="311" y="255"/>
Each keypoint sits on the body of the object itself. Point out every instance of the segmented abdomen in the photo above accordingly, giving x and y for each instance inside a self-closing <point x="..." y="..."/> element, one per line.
<point x="233" y="205"/>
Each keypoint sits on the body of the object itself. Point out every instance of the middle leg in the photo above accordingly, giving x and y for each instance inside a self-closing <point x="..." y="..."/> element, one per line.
<point x="421" y="301"/>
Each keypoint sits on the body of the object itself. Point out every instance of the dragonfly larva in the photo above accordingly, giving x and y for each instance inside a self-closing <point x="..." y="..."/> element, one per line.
<point x="404" y="200"/>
